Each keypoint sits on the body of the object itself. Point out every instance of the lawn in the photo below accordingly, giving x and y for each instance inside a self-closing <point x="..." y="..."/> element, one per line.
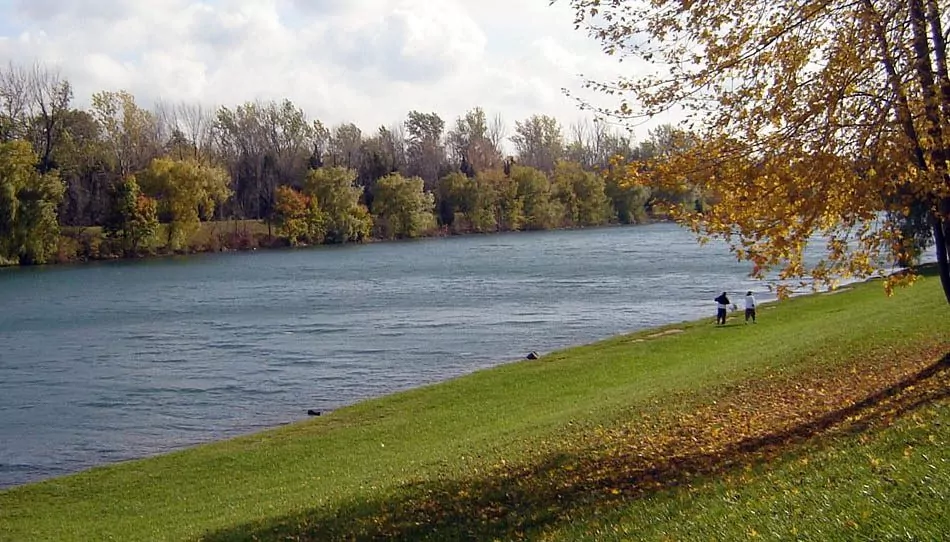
<point x="827" y="419"/>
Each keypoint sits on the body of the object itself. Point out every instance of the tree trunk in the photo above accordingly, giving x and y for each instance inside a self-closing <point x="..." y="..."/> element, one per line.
<point x="937" y="166"/>
<point x="941" y="229"/>
<point x="941" y="220"/>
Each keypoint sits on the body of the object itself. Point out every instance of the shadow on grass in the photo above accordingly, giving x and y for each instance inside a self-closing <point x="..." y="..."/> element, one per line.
<point x="518" y="502"/>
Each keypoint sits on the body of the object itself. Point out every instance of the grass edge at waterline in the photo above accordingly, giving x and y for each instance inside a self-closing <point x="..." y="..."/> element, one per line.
<point x="420" y="462"/>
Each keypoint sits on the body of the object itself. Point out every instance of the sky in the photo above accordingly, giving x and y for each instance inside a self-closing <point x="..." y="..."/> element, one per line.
<point x="364" y="61"/>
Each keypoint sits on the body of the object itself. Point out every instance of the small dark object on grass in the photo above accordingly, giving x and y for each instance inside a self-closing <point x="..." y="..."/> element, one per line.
<point x="534" y="355"/>
<point x="313" y="412"/>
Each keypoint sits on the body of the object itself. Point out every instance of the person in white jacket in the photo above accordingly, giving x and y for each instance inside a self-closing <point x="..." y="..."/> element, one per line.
<point x="749" y="307"/>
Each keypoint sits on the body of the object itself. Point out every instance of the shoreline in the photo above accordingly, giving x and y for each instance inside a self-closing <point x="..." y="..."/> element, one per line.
<point x="508" y="424"/>
<point x="647" y="334"/>
<point x="263" y="241"/>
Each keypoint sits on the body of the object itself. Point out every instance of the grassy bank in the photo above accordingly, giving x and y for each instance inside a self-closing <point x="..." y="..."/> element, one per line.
<point x="827" y="419"/>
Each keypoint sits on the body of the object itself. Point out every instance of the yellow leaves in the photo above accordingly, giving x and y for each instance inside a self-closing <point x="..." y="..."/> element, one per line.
<point x="797" y="121"/>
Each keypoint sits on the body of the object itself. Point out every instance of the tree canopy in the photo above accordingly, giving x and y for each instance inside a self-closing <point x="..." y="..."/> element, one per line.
<point x="148" y="176"/>
<point x="804" y="119"/>
<point x="29" y="232"/>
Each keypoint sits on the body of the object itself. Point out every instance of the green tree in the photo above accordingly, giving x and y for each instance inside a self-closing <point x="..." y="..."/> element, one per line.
<point x="337" y="200"/>
<point x="581" y="193"/>
<point x="401" y="207"/>
<point x="455" y="200"/>
<point x="628" y="198"/>
<point x="29" y="231"/>
<point x="499" y="198"/>
<point x="132" y="218"/>
<point x="484" y="215"/>
<point x="188" y="192"/>
<point x="539" y="209"/>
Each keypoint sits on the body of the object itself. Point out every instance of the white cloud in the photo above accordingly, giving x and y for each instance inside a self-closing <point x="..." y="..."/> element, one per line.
<point x="362" y="61"/>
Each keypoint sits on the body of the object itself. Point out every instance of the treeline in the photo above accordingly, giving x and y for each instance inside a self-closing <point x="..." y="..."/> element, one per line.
<point x="118" y="179"/>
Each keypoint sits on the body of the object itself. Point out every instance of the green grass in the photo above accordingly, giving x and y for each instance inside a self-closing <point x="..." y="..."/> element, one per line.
<point x="681" y="436"/>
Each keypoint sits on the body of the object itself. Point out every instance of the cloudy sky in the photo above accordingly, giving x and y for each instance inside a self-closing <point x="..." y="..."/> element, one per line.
<point x="362" y="61"/>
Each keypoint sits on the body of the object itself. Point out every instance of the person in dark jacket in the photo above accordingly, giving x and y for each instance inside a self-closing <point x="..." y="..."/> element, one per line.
<point x="722" y="308"/>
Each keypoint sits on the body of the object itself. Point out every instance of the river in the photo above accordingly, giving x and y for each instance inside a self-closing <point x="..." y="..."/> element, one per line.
<point x="111" y="361"/>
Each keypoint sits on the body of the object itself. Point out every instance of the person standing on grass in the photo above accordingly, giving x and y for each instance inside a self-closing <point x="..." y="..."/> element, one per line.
<point x="722" y="308"/>
<point x="749" y="307"/>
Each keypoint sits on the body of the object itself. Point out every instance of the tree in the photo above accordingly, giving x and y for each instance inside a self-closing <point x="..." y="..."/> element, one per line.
<point x="812" y="117"/>
<point x="628" y="199"/>
<point x="344" y="218"/>
<point x="51" y="96"/>
<point x="29" y="231"/>
<point x="456" y="197"/>
<point x="424" y="148"/>
<point x="14" y="102"/>
<point x="401" y="207"/>
<point x="592" y="145"/>
<point x="264" y="144"/>
<point x="382" y="154"/>
<point x="298" y="217"/>
<point x="539" y="142"/>
<point x="581" y="193"/>
<point x="82" y="160"/>
<point x="133" y="217"/>
<point x="128" y="131"/>
<point x="188" y="192"/>
<point x="472" y="144"/>
<point x="539" y="210"/>
<point x="345" y="144"/>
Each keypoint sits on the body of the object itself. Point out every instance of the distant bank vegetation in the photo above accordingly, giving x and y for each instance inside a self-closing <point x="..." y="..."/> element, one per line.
<point x="119" y="180"/>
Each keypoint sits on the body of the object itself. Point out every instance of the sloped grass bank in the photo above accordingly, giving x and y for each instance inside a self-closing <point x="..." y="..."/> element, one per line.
<point x="702" y="434"/>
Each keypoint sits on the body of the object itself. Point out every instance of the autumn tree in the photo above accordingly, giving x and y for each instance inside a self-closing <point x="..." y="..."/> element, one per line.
<point x="814" y="117"/>
<point x="132" y="218"/>
<point x="337" y="199"/>
<point x="29" y="231"/>
<point x="401" y="207"/>
<point x="297" y="217"/>
<point x="188" y="192"/>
